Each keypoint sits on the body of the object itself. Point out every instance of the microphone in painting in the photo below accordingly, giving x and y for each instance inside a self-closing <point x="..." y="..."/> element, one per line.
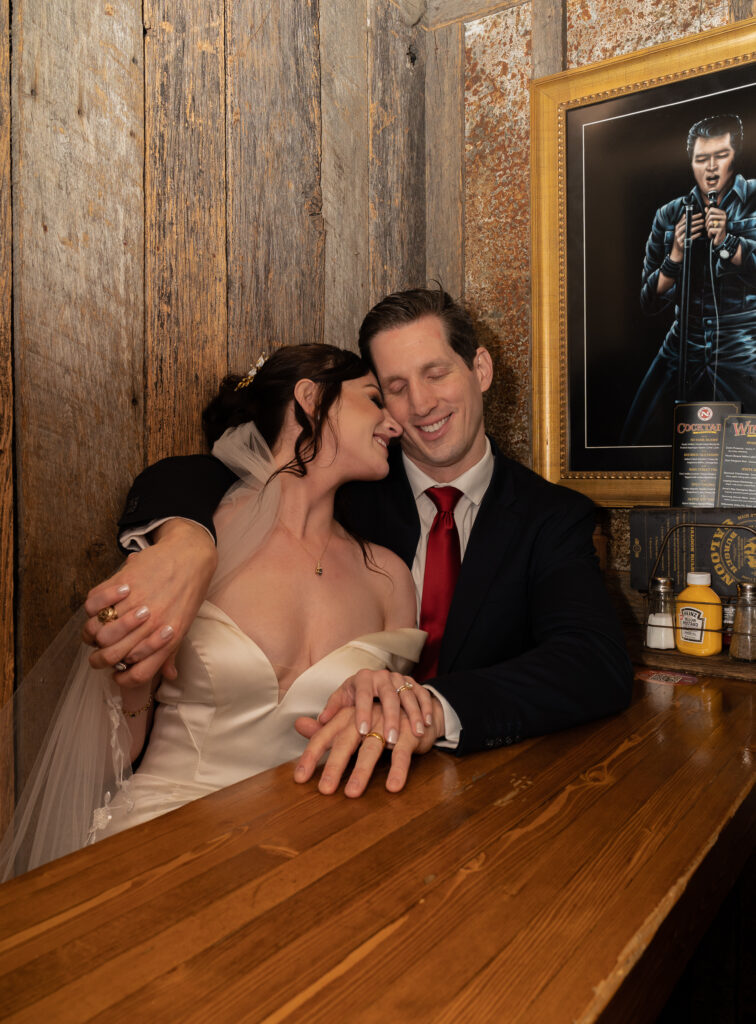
<point x="712" y="197"/>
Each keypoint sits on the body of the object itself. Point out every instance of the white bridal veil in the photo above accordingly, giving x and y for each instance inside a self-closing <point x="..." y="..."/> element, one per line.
<point x="83" y="760"/>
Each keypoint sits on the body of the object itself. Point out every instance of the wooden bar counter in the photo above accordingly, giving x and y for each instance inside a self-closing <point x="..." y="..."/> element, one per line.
<point x="565" y="879"/>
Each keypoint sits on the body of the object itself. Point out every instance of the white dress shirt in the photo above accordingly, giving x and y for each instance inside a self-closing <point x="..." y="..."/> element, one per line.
<point x="473" y="483"/>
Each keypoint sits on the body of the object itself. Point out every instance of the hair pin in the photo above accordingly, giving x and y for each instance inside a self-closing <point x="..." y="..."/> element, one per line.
<point x="251" y="373"/>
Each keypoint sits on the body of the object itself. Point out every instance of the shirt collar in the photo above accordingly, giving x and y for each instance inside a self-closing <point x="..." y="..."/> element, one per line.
<point x="473" y="482"/>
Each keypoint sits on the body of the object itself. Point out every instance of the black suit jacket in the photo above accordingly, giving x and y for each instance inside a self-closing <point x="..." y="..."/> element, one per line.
<point x="531" y="644"/>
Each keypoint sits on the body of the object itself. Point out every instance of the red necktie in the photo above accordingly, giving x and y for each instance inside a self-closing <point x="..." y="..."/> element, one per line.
<point x="442" y="561"/>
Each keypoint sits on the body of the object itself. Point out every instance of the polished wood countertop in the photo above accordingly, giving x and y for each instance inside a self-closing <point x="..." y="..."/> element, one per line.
<point x="564" y="879"/>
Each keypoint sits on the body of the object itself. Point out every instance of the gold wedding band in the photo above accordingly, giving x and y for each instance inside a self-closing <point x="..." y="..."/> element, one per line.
<point x="377" y="736"/>
<point x="406" y="686"/>
<point x="108" y="614"/>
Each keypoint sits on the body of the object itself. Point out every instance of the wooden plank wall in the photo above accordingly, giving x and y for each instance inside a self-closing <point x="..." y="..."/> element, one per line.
<point x="6" y="428"/>
<point x="192" y="182"/>
<point x="77" y="135"/>
<point x="396" y="111"/>
<point x="185" y="219"/>
<point x="276" y="236"/>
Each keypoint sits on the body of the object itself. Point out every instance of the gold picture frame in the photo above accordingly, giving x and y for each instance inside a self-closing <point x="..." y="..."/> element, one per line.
<point x="552" y="99"/>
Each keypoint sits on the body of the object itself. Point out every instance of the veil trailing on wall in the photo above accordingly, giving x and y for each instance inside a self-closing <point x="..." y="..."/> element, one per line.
<point x="83" y="760"/>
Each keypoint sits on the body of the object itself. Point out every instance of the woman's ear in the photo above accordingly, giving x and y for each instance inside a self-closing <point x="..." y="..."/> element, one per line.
<point x="305" y="395"/>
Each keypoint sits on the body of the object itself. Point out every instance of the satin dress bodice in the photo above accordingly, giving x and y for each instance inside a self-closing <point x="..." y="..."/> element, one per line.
<point x="223" y="719"/>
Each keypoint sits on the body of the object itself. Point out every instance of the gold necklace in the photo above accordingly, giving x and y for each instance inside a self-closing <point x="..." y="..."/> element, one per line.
<point x="318" y="565"/>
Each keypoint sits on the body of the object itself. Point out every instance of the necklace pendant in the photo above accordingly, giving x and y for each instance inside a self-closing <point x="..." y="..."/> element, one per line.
<point x="318" y="569"/>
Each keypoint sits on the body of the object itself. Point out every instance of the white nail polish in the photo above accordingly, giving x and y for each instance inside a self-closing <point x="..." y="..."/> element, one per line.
<point x="166" y="632"/>
<point x="142" y="613"/>
<point x="363" y="730"/>
<point x="392" y="737"/>
<point x="123" y="590"/>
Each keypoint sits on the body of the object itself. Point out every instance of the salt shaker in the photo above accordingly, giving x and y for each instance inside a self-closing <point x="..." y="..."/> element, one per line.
<point x="743" y="645"/>
<point x="660" y="633"/>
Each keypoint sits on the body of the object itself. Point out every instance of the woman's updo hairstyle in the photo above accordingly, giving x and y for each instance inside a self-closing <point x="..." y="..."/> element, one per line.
<point x="264" y="399"/>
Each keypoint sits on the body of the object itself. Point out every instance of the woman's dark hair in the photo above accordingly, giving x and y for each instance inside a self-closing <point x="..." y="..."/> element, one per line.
<point x="265" y="398"/>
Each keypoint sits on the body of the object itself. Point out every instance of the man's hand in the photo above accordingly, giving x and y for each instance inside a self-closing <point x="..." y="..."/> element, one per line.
<point x="696" y="228"/>
<point x="396" y="693"/>
<point x="342" y="739"/>
<point x="156" y="593"/>
<point x="716" y="224"/>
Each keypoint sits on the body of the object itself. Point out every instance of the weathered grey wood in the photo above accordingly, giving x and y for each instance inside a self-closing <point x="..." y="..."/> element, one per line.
<point x="275" y="224"/>
<point x="444" y="12"/>
<point x="78" y="284"/>
<point x="549" y="37"/>
<point x="396" y="70"/>
<point x="344" y="176"/>
<point x="185" y="216"/>
<point x="444" y="157"/>
<point x="6" y="432"/>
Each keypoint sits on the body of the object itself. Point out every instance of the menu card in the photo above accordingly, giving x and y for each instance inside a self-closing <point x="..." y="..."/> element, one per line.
<point x="737" y="473"/>
<point x="696" y="450"/>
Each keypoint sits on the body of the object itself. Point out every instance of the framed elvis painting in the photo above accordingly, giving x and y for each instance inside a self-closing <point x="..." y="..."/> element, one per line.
<point x="622" y="153"/>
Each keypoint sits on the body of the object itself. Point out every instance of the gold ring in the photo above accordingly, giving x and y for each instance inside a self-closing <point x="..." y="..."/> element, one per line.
<point x="108" y="614"/>
<point x="377" y="736"/>
<point x="406" y="686"/>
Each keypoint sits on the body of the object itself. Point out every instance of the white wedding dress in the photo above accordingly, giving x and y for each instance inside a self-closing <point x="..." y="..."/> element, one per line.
<point x="223" y="720"/>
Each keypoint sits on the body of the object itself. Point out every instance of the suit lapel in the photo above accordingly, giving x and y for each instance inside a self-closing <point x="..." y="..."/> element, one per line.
<point x="493" y="540"/>
<point x="402" y="522"/>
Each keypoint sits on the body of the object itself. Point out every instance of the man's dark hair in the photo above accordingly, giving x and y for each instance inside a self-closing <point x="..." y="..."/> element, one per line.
<point x="721" y="124"/>
<point x="403" y="308"/>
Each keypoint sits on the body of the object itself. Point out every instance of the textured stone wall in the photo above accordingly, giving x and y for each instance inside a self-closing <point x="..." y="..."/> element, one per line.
<point x="497" y="180"/>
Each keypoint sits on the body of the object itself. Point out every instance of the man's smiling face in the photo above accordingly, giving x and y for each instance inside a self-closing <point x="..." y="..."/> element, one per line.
<point x="434" y="396"/>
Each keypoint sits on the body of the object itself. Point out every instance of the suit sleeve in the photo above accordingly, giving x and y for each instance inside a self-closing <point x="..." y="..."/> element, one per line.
<point x="575" y="668"/>
<point x="188" y="487"/>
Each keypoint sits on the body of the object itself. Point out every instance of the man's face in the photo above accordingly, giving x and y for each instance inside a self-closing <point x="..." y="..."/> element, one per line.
<point x="713" y="164"/>
<point x="434" y="396"/>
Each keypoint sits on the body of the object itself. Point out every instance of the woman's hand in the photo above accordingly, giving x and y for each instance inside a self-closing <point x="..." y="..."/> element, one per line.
<point x="156" y="594"/>
<point x="396" y="693"/>
<point x="339" y="739"/>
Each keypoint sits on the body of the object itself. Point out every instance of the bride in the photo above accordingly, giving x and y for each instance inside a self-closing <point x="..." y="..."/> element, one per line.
<point x="297" y="605"/>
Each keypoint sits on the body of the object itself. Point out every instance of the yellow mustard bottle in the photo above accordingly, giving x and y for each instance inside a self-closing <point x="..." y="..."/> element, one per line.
<point x="698" y="617"/>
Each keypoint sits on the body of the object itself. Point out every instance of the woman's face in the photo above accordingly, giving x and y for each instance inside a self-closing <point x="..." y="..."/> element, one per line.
<point x="362" y="430"/>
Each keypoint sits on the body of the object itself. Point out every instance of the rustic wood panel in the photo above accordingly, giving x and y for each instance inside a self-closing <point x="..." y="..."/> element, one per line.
<point x="549" y="37"/>
<point x="445" y="12"/>
<point x="344" y="111"/>
<point x="78" y="311"/>
<point x="396" y="75"/>
<point x="185" y="217"/>
<point x="275" y="223"/>
<point x="444" y="158"/>
<point x="6" y="431"/>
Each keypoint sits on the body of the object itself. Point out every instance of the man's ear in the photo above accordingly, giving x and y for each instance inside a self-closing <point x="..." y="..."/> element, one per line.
<point x="483" y="368"/>
<point x="306" y="394"/>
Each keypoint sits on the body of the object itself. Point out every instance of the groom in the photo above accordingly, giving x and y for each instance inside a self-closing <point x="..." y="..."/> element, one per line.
<point x="530" y="644"/>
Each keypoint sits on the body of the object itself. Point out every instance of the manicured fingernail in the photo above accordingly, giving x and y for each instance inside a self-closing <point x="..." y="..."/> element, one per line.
<point x="363" y="730"/>
<point x="392" y="737"/>
<point x="419" y="729"/>
<point x="142" y="613"/>
<point x="166" y="632"/>
<point x="429" y="719"/>
<point x="123" y="590"/>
